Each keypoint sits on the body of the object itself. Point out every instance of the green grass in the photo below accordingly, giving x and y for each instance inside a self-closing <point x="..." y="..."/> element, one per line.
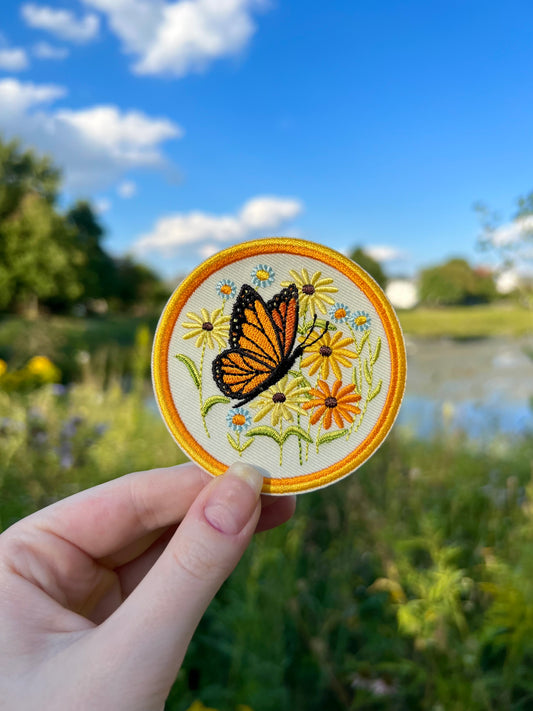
<point x="407" y="586"/>
<point x="468" y="321"/>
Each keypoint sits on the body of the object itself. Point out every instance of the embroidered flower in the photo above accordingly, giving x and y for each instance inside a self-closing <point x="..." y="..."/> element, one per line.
<point x="262" y="275"/>
<point x="239" y="419"/>
<point x="328" y="352"/>
<point x="208" y="329"/>
<point x="336" y="404"/>
<point x="361" y="321"/>
<point x="339" y="313"/>
<point x="226" y="289"/>
<point x="281" y="400"/>
<point x="314" y="291"/>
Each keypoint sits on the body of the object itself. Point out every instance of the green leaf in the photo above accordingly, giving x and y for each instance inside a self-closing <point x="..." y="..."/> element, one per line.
<point x="362" y="342"/>
<point x="193" y="370"/>
<point x="320" y="324"/>
<point x="330" y="436"/>
<point x="233" y="442"/>
<point x="213" y="400"/>
<point x="377" y="351"/>
<point x="265" y="431"/>
<point x="375" y="392"/>
<point x="246" y="444"/>
<point x="299" y="432"/>
<point x="298" y="374"/>
<point x="368" y="374"/>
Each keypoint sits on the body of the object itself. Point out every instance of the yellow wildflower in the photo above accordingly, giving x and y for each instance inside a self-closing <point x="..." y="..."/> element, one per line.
<point x="281" y="400"/>
<point x="313" y="290"/>
<point x="208" y="329"/>
<point x="329" y="352"/>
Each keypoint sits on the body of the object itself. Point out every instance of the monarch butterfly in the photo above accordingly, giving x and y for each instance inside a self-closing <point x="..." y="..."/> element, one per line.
<point x="261" y="343"/>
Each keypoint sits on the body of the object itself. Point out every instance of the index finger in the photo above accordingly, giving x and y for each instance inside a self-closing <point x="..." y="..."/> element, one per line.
<point x="106" y="518"/>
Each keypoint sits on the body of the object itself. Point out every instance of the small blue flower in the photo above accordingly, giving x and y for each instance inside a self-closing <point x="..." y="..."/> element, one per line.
<point x="361" y="321"/>
<point x="226" y="289"/>
<point x="339" y="313"/>
<point x="262" y="275"/>
<point x="239" y="419"/>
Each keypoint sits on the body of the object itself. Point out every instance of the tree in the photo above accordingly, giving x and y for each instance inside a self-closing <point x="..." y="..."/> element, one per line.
<point x="38" y="257"/>
<point x="370" y="265"/>
<point x="138" y="287"/>
<point x="511" y="244"/>
<point x="454" y="283"/>
<point x="98" y="271"/>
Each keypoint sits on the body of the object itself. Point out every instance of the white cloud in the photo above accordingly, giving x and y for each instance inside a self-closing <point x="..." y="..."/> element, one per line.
<point x="384" y="253"/>
<point x="177" y="38"/>
<point x="103" y="205"/>
<point x="13" y="59"/>
<point x="43" y="50"/>
<point x="95" y="146"/>
<point x="512" y="233"/>
<point x="207" y="250"/>
<point x="17" y="97"/>
<point x="131" y="137"/>
<point x="173" y="232"/>
<point x="61" y="23"/>
<point x="127" y="189"/>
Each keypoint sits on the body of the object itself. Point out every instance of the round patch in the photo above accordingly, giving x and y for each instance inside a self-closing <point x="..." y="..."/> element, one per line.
<point x="284" y="354"/>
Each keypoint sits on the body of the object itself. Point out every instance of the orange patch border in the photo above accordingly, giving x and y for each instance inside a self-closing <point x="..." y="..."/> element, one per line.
<point x="331" y="258"/>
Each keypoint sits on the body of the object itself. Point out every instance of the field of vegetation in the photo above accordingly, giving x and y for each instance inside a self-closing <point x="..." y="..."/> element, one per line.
<point x="407" y="586"/>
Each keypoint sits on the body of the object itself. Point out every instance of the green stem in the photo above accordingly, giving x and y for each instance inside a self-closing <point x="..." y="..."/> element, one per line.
<point x="318" y="434"/>
<point x="281" y="445"/>
<point x="200" y="388"/>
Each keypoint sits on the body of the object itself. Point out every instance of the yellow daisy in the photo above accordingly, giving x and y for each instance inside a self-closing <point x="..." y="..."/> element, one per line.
<point x="208" y="329"/>
<point x="329" y="352"/>
<point x="281" y="400"/>
<point x="314" y="291"/>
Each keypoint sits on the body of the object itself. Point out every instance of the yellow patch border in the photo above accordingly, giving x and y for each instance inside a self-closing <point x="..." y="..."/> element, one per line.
<point x="331" y="258"/>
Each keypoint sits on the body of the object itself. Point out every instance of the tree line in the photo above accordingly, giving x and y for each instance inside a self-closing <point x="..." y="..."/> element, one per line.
<point x="56" y="260"/>
<point x="52" y="259"/>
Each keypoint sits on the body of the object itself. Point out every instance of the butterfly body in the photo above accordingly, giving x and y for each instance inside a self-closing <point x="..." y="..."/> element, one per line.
<point x="261" y="340"/>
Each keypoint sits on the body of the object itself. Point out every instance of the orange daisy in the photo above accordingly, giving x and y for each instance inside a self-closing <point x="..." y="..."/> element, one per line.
<point x="336" y="404"/>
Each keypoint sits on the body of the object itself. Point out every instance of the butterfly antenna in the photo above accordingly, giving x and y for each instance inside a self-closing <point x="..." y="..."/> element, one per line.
<point x="304" y="343"/>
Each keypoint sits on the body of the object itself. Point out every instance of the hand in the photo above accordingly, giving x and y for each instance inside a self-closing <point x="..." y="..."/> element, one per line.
<point x="101" y="592"/>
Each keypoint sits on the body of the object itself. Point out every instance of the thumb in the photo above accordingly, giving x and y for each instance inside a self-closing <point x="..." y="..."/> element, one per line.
<point x="151" y="630"/>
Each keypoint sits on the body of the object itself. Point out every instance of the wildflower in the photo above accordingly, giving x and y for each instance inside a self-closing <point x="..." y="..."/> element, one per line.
<point x="226" y="288"/>
<point x="336" y="404"/>
<point x="42" y="367"/>
<point x="3" y="367"/>
<point x="314" y="291"/>
<point x="329" y="352"/>
<point x="281" y="400"/>
<point x="339" y="313"/>
<point x="361" y="321"/>
<point x="208" y="329"/>
<point x="262" y="275"/>
<point x="239" y="419"/>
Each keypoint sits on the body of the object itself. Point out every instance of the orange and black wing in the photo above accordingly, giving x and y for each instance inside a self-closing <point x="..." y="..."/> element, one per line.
<point x="283" y="308"/>
<point x="259" y="343"/>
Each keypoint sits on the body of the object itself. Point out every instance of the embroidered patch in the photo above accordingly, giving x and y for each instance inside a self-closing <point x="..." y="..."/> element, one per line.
<point x="298" y="371"/>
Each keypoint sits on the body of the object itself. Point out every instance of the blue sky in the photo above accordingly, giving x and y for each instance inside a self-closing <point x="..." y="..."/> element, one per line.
<point x="198" y="123"/>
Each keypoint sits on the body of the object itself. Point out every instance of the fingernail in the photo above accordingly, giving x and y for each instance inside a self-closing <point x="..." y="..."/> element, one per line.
<point x="233" y="498"/>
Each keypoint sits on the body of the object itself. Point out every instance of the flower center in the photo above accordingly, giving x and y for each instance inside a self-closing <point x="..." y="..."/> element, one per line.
<point x="225" y="289"/>
<point x="325" y="351"/>
<point x="262" y="274"/>
<point x="207" y="326"/>
<point x="330" y="402"/>
<point x="360" y="321"/>
<point x="340" y="313"/>
<point x="308" y="289"/>
<point x="238" y="419"/>
<point x="278" y="397"/>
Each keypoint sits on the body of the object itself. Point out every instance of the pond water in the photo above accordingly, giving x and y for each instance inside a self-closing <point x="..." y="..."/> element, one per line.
<point x="483" y="387"/>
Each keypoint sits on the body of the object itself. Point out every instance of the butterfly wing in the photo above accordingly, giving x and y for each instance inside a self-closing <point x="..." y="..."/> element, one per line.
<point x="283" y="308"/>
<point x="261" y="339"/>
